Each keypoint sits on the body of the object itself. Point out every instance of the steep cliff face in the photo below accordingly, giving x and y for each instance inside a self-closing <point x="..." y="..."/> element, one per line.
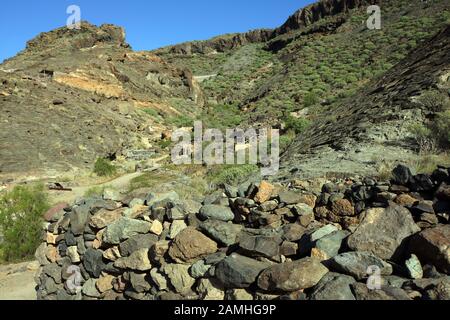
<point x="317" y="11"/>
<point x="300" y="19"/>
<point x="74" y="95"/>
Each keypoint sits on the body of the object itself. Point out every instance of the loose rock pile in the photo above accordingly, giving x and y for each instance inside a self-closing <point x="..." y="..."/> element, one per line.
<point x="363" y="240"/>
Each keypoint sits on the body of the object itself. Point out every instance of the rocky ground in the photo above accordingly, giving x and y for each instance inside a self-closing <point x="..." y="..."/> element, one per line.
<point x="343" y="240"/>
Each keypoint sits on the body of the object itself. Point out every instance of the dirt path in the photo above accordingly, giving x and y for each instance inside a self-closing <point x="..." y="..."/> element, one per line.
<point x="17" y="281"/>
<point x="119" y="184"/>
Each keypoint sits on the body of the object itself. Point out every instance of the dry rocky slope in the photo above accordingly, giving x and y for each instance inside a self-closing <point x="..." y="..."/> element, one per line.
<point x="376" y="120"/>
<point x="74" y="95"/>
<point x="359" y="239"/>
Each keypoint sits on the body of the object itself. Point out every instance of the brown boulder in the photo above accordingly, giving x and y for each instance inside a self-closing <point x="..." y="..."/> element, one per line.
<point x="433" y="246"/>
<point x="292" y="276"/>
<point x="191" y="245"/>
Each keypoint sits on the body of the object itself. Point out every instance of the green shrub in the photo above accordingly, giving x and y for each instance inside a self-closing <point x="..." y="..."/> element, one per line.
<point x="231" y="174"/>
<point x="423" y="137"/>
<point x="104" y="168"/>
<point x="151" y="112"/>
<point x="442" y="128"/>
<point x="21" y="220"/>
<point x="298" y="125"/>
<point x="434" y="100"/>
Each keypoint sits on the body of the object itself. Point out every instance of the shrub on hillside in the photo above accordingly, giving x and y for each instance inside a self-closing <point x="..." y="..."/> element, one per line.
<point x="21" y="220"/>
<point x="231" y="174"/>
<point x="104" y="168"/>
<point x="298" y="125"/>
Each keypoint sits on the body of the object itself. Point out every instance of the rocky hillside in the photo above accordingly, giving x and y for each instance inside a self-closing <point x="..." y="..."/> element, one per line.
<point x="74" y="95"/>
<point x="324" y="77"/>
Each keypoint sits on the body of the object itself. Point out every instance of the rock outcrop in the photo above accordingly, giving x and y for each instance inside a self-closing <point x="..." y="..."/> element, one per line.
<point x="74" y="95"/>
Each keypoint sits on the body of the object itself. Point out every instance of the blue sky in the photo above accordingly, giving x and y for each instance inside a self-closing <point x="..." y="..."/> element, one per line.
<point x="149" y="23"/>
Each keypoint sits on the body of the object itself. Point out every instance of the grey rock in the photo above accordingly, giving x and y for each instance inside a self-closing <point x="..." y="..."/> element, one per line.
<point x="123" y="229"/>
<point x="178" y="275"/>
<point x="333" y="286"/>
<point x="93" y="262"/>
<point x="260" y="246"/>
<point x="136" y="242"/>
<point x="402" y="175"/>
<point x="222" y="232"/>
<point x="362" y="292"/>
<point x="237" y="271"/>
<point x="153" y="199"/>
<point x="216" y="212"/>
<point x="290" y="197"/>
<point x="383" y="231"/>
<point x="138" y="261"/>
<point x="53" y="271"/>
<point x="79" y="217"/>
<point x="433" y="246"/>
<point x="140" y="282"/>
<point x="357" y="264"/>
<point x="199" y="269"/>
<point x="330" y="244"/>
<point x="90" y="289"/>
<point x="292" y="276"/>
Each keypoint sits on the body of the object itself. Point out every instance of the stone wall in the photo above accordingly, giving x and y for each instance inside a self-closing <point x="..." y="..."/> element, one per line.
<point x="347" y="239"/>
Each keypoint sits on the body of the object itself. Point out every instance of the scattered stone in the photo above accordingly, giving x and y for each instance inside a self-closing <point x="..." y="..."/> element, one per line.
<point x="292" y="276"/>
<point x="104" y="217"/>
<point x="179" y="277"/>
<point x="260" y="246"/>
<point x="191" y="245"/>
<point x="93" y="262"/>
<point x="216" y="212"/>
<point x="136" y="242"/>
<point x="123" y="229"/>
<point x="382" y="231"/>
<point x="239" y="295"/>
<point x="288" y="249"/>
<point x="334" y="286"/>
<point x="264" y="192"/>
<point x="79" y="217"/>
<point x="90" y="289"/>
<point x="224" y="233"/>
<point x="199" y="269"/>
<point x="138" y="261"/>
<point x="402" y="175"/>
<point x="156" y="228"/>
<point x="112" y="254"/>
<point x="433" y="246"/>
<point x="237" y="271"/>
<point x="414" y="267"/>
<point x="443" y="193"/>
<point x="293" y="232"/>
<point x="176" y="227"/>
<point x="158" y="279"/>
<point x="139" y="282"/>
<point x="343" y="207"/>
<point x="290" y="197"/>
<point x="55" y="213"/>
<point x="104" y="283"/>
<point x="210" y="289"/>
<point x="72" y="253"/>
<point x="405" y="200"/>
<point x="357" y="264"/>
